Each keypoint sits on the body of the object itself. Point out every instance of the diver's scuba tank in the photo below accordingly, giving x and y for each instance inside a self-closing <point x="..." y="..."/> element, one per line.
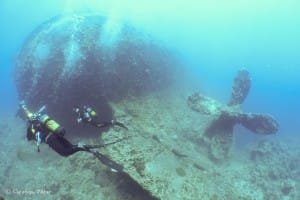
<point x="87" y="114"/>
<point x="93" y="113"/>
<point x="43" y="118"/>
<point x="90" y="111"/>
<point x="50" y="124"/>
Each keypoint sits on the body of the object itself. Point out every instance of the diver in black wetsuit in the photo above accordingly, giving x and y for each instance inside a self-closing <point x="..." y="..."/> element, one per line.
<point x="89" y="116"/>
<point x="43" y="129"/>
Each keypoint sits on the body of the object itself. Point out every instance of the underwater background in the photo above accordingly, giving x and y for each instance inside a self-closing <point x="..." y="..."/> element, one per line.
<point x="212" y="39"/>
<point x="215" y="39"/>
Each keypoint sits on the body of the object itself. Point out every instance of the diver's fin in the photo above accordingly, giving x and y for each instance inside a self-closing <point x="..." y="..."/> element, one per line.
<point x="120" y="125"/>
<point x="240" y="88"/>
<point x="108" y="162"/>
<point x="97" y="146"/>
<point x="259" y="123"/>
<point x="112" y="123"/>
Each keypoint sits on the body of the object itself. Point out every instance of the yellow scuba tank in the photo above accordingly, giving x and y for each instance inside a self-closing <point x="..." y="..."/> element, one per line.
<point x="51" y="125"/>
<point x="90" y="111"/>
<point x="93" y="113"/>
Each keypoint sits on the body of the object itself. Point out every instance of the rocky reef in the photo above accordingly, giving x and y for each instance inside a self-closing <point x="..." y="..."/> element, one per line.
<point x="276" y="169"/>
<point x="89" y="59"/>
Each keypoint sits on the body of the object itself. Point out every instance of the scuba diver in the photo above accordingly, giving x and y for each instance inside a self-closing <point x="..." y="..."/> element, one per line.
<point x="89" y="116"/>
<point x="44" y="129"/>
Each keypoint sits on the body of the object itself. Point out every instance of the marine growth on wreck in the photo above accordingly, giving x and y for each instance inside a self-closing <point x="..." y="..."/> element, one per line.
<point x="178" y="144"/>
<point x="78" y="60"/>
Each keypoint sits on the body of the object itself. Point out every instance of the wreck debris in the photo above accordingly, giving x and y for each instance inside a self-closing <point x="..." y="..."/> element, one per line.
<point x="178" y="154"/>
<point x="218" y="135"/>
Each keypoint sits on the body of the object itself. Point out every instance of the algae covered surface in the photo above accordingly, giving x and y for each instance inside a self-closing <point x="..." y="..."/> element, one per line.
<point x="160" y="161"/>
<point x="180" y="143"/>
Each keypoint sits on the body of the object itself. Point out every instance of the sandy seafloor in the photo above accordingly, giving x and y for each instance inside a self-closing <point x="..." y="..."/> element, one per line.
<point x="26" y="174"/>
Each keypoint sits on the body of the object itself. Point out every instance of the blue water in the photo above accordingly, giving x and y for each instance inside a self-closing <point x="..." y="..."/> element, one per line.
<point x="215" y="39"/>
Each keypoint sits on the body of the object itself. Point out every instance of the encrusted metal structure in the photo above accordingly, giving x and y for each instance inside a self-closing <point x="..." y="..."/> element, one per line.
<point x="89" y="59"/>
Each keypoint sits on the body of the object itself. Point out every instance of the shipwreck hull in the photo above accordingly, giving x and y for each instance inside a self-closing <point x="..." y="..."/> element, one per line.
<point x="89" y="59"/>
<point x="167" y="168"/>
<point x="173" y="145"/>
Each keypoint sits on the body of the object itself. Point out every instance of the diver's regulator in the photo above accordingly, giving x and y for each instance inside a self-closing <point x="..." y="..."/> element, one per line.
<point x="49" y="123"/>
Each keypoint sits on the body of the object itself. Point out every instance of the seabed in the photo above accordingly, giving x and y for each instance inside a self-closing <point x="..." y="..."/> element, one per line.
<point x="157" y="152"/>
<point x="167" y="153"/>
